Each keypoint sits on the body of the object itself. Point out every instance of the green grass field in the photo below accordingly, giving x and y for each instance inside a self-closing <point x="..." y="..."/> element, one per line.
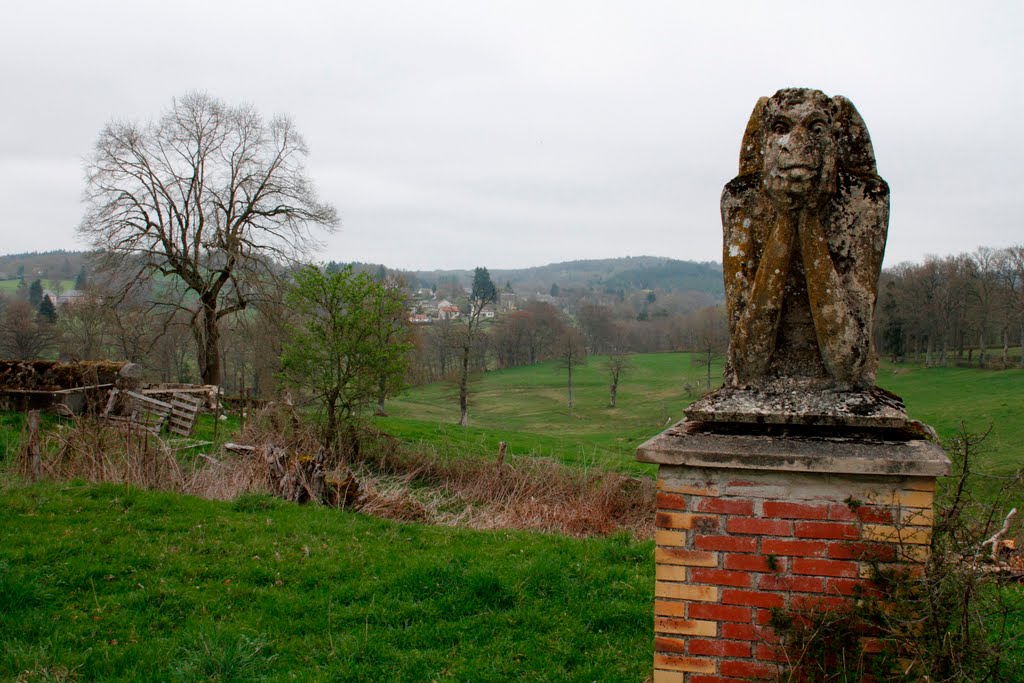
<point x="527" y="407"/>
<point x="116" y="584"/>
<point x="11" y="286"/>
<point x="113" y="583"/>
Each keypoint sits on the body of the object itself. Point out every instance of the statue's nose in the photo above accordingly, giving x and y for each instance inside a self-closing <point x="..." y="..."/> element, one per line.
<point x="798" y="142"/>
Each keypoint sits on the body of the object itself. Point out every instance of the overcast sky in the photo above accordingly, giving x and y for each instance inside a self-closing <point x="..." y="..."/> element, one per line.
<point x="510" y="134"/>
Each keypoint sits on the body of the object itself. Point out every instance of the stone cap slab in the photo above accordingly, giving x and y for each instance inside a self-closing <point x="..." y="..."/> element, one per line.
<point x="798" y="405"/>
<point x="696" y="444"/>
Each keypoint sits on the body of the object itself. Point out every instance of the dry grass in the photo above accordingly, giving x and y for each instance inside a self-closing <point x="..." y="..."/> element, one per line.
<point x="395" y="481"/>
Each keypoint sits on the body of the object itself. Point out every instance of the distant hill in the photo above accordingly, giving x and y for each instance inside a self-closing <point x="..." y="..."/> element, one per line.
<point x="600" y="275"/>
<point x="626" y="273"/>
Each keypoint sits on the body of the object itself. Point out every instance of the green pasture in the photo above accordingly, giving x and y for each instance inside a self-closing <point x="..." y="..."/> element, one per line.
<point x="11" y="286"/>
<point x="527" y="407"/>
<point x="979" y="399"/>
<point x="117" y="584"/>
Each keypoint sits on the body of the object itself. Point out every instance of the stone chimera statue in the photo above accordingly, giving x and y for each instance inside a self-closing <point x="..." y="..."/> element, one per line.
<point x="804" y="227"/>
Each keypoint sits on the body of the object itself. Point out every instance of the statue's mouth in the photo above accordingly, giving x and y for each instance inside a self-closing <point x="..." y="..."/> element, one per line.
<point x="797" y="172"/>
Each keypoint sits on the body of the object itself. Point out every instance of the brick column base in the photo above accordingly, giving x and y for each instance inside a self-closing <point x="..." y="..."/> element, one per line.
<point x="732" y="543"/>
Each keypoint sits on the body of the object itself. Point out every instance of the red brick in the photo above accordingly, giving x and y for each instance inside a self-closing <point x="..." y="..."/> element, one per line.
<point x="671" y="501"/>
<point x="843" y="586"/>
<point x="833" y="530"/>
<point x="737" y="631"/>
<point x="720" y="648"/>
<point x="720" y="577"/>
<point x="841" y="512"/>
<point x="726" y="506"/>
<point x="715" y="679"/>
<point x="753" y="563"/>
<point x="762" y="617"/>
<point x="731" y="596"/>
<point x="669" y="645"/>
<point x="882" y="552"/>
<point x="819" y="603"/>
<point x="815" y="567"/>
<point x="743" y="669"/>
<point x="729" y="543"/>
<point x="874" y="514"/>
<point x="698" y="610"/>
<point x="785" y="546"/>
<point x="761" y="527"/>
<point x="774" y="508"/>
<point x="771" y="653"/>
<point x="796" y="584"/>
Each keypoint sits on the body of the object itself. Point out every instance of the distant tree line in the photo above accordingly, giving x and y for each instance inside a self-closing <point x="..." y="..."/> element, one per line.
<point x="966" y="309"/>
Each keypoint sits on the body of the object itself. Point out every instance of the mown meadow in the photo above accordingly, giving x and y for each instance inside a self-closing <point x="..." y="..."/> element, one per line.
<point x="109" y="582"/>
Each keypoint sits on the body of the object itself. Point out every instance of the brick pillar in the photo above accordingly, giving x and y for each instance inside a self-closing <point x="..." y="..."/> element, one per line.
<point x="744" y="529"/>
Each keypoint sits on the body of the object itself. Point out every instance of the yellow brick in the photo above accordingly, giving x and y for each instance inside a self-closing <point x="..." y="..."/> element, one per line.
<point x="670" y="538"/>
<point x="914" y="553"/>
<point x="682" y="591"/>
<point x="668" y="608"/>
<point x="684" y="520"/>
<point x="918" y="517"/>
<point x="669" y="572"/>
<point x="867" y="571"/>
<point x="680" y="663"/>
<point x="669" y="676"/>
<point x="889" y="534"/>
<point x="686" y="627"/>
<point x="913" y="499"/>
<point x="674" y="486"/>
<point x="688" y="558"/>
<point x="674" y="520"/>
<point x="920" y="484"/>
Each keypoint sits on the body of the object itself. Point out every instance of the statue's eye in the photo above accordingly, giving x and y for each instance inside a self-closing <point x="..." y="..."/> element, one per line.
<point x="780" y="128"/>
<point x="818" y="127"/>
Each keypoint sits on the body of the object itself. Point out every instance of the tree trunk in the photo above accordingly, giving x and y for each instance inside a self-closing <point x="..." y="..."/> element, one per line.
<point x="570" y="385"/>
<point x="331" y="438"/>
<point x="208" y="341"/>
<point x="1006" y="346"/>
<point x="464" y="389"/>
<point x="981" y="348"/>
<point x="614" y="391"/>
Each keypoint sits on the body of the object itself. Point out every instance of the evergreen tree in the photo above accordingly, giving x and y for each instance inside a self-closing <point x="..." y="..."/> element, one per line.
<point x="47" y="311"/>
<point x="82" y="280"/>
<point x="35" y="293"/>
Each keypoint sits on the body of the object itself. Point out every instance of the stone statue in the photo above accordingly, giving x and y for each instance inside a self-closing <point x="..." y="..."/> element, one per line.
<point x="804" y="227"/>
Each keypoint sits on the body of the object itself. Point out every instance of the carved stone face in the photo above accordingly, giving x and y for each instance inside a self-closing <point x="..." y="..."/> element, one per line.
<point x="799" y="148"/>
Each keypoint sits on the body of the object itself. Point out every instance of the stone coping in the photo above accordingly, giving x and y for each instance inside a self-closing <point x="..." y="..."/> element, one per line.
<point x="696" y="445"/>
<point x="794" y="404"/>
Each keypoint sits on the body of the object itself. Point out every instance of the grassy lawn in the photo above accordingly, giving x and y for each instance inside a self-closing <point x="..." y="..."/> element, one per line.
<point x="11" y="286"/>
<point x="527" y="408"/>
<point x="110" y="583"/>
<point x="945" y="397"/>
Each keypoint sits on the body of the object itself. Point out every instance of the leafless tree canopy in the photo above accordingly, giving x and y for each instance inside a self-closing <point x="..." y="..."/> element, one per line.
<point x="210" y="195"/>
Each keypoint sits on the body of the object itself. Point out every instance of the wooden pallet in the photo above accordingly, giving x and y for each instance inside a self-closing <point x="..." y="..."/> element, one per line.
<point x="138" y="411"/>
<point x="184" y="409"/>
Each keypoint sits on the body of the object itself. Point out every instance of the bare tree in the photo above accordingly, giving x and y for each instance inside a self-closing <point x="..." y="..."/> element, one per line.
<point x="23" y="336"/>
<point x="483" y="293"/>
<point x="572" y="352"/>
<point x="616" y="363"/>
<point x="209" y="195"/>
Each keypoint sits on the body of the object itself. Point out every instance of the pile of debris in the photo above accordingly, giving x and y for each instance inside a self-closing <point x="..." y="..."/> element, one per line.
<point x="61" y="386"/>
